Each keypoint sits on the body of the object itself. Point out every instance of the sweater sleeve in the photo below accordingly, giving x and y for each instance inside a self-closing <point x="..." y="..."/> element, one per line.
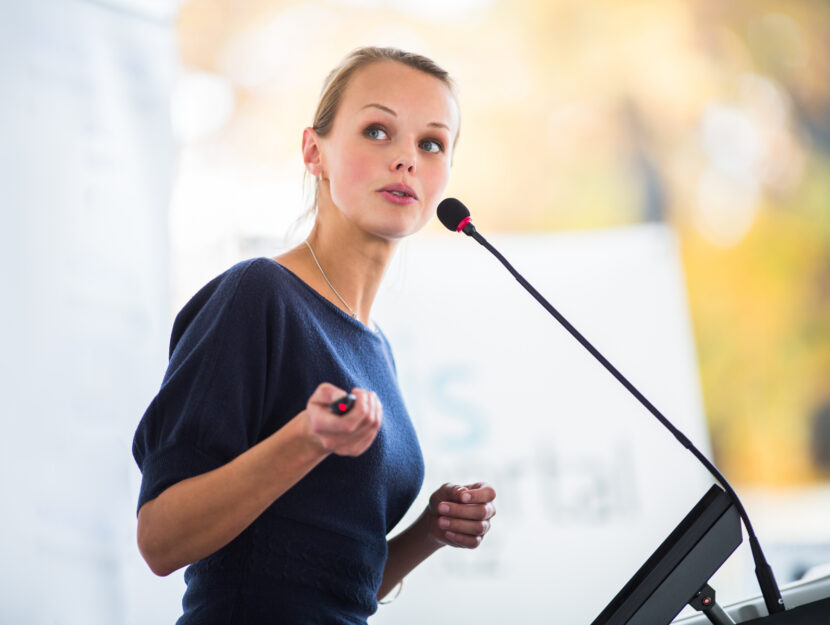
<point x="210" y="406"/>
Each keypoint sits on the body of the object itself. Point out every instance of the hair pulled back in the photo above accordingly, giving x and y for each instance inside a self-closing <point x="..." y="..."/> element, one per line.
<point x="338" y="79"/>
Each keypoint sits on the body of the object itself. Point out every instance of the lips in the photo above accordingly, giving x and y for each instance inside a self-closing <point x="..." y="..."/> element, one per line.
<point x="400" y="190"/>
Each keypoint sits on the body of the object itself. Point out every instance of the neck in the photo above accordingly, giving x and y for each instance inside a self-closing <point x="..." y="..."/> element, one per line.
<point x="354" y="265"/>
<point x="353" y="260"/>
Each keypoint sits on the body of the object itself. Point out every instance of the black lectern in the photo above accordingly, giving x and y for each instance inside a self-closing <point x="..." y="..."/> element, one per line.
<point x="678" y="571"/>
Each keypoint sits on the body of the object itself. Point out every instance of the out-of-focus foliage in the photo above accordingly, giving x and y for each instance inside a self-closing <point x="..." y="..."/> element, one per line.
<point x="713" y="116"/>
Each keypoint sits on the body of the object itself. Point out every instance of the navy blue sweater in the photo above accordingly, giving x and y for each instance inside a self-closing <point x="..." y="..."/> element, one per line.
<point x="246" y="353"/>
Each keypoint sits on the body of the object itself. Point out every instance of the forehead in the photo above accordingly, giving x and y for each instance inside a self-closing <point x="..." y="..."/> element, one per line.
<point x="413" y="95"/>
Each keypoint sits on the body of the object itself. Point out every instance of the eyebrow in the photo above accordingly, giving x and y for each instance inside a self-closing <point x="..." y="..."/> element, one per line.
<point x="394" y="114"/>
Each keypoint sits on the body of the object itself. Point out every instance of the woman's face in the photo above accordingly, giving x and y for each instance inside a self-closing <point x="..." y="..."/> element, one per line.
<point x="395" y="126"/>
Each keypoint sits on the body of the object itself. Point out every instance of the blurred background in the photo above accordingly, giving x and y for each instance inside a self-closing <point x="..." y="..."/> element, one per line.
<point x="712" y="117"/>
<point x="150" y="144"/>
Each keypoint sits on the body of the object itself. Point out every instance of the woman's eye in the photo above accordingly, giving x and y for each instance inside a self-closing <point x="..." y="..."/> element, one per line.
<point x="376" y="132"/>
<point x="430" y="145"/>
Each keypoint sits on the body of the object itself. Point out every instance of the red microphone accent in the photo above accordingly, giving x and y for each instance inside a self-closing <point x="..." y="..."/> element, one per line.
<point x="342" y="406"/>
<point x="463" y="223"/>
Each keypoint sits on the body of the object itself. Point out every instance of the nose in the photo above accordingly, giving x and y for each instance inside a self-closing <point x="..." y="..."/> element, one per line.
<point x="404" y="161"/>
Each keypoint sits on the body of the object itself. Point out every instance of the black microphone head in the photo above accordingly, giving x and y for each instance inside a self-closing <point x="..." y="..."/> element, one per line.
<point x="452" y="212"/>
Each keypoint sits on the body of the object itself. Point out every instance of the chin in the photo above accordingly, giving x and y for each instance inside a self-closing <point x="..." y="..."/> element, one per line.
<point x="398" y="230"/>
<point x="393" y="235"/>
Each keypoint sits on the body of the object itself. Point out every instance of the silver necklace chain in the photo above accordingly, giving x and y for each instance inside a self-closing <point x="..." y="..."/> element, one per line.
<point x="325" y="277"/>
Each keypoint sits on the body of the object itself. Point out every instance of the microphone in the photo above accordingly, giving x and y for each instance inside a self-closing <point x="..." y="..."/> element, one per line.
<point x="456" y="217"/>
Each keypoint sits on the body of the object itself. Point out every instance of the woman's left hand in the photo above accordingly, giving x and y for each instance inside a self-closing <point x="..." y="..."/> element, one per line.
<point x="460" y="515"/>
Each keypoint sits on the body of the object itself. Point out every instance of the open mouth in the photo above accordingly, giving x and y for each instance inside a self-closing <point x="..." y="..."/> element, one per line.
<point x="399" y="191"/>
<point x="398" y="197"/>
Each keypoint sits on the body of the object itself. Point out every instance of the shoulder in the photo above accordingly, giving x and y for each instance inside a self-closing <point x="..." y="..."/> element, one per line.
<point x="255" y="277"/>
<point x="254" y="273"/>
<point x="250" y="290"/>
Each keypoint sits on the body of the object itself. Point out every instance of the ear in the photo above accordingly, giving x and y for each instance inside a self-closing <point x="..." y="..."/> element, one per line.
<point x="312" y="157"/>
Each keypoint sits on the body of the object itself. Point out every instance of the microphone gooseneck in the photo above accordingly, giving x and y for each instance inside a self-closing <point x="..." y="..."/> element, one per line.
<point x="455" y="216"/>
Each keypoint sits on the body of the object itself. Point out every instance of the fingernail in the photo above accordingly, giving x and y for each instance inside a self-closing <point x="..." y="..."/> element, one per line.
<point x="444" y="523"/>
<point x="444" y="508"/>
<point x="466" y="497"/>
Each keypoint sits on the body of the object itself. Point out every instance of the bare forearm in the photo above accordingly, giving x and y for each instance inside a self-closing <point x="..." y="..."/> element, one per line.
<point x="406" y="551"/>
<point x="198" y="516"/>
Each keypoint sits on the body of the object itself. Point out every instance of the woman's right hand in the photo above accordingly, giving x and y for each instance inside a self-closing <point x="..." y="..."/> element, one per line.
<point x="199" y="515"/>
<point x="347" y="435"/>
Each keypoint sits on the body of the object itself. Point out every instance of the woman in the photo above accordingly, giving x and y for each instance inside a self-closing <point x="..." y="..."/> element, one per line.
<point x="281" y="507"/>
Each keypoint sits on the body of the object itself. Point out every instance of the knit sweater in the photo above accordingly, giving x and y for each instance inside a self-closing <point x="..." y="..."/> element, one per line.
<point x="246" y="353"/>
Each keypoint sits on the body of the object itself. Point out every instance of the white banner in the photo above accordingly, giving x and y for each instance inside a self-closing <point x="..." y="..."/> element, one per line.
<point x="588" y="481"/>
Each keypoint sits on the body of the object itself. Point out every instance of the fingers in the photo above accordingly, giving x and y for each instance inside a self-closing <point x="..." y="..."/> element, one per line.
<point x="446" y="492"/>
<point x="465" y="541"/>
<point x="478" y="493"/>
<point x="352" y="433"/>
<point x="326" y="393"/>
<point x="459" y="526"/>
<point x="367" y="412"/>
<point x="463" y="513"/>
<point x="461" y="532"/>
<point x="476" y="512"/>
<point x="361" y="424"/>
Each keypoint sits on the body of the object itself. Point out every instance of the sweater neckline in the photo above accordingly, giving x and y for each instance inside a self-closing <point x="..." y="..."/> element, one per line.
<point x="319" y="297"/>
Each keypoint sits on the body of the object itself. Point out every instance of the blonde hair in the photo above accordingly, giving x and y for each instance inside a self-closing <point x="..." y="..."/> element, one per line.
<point x="338" y="79"/>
